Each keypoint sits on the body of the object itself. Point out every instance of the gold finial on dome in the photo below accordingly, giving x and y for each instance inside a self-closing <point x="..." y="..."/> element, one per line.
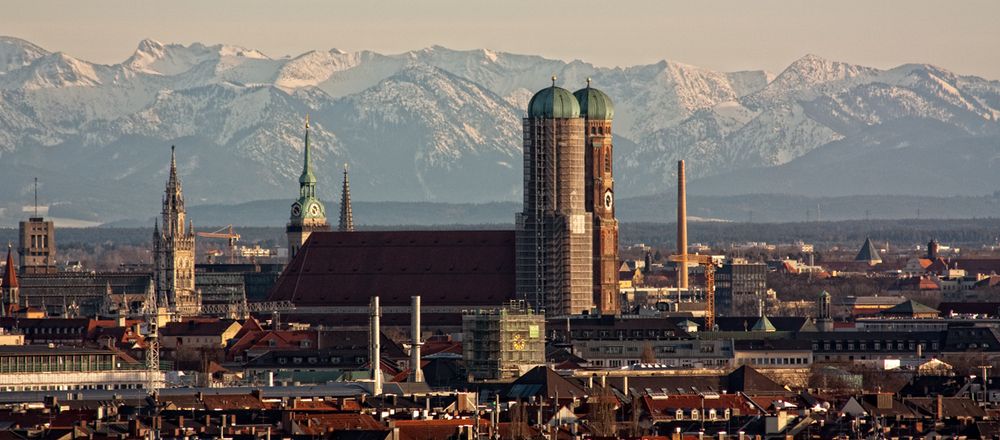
<point x="307" y="120"/>
<point x="553" y="80"/>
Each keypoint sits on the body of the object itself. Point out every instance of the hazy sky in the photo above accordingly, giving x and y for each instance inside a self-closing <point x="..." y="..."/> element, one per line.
<point x="963" y="36"/>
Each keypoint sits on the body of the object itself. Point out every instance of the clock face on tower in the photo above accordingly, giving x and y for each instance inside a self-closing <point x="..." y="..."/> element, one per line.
<point x="518" y="343"/>
<point x="609" y="199"/>
<point x="296" y="210"/>
<point x="314" y="209"/>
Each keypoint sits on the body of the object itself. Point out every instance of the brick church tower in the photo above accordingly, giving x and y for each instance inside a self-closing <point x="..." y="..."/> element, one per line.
<point x="597" y="110"/>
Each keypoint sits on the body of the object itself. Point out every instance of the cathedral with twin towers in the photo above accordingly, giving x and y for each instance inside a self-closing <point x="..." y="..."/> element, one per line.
<point x="567" y="235"/>
<point x="563" y="250"/>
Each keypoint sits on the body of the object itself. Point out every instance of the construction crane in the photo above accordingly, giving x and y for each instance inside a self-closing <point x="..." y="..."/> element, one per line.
<point x="706" y="262"/>
<point x="225" y="233"/>
<point x="150" y="311"/>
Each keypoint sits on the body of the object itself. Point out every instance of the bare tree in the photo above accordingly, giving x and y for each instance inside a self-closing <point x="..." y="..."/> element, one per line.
<point x="648" y="357"/>
<point x="518" y="421"/>
<point x="602" y="413"/>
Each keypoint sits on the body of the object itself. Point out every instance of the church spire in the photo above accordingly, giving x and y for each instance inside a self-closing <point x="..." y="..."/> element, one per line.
<point x="9" y="286"/>
<point x="307" y="181"/>
<point x="346" y="215"/>
<point x="173" y="162"/>
<point x="10" y="273"/>
<point x="173" y="200"/>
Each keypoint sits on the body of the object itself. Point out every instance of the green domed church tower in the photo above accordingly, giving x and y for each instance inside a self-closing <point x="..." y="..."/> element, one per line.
<point x="308" y="213"/>
<point x="554" y="239"/>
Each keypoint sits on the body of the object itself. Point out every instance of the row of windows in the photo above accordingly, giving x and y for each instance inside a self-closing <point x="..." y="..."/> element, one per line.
<point x="615" y="363"/>
<point x="39" y="241"/>
<point x="776" y="361"/>
<point x="622" y="334"/>
<point x="119" y="386"/>
<point x="712" y="414"/>
<point x="313" y="360"/>
<point x="37" y="364"/>
<point x="53" y="331"/>
<point x="874" y="345"/>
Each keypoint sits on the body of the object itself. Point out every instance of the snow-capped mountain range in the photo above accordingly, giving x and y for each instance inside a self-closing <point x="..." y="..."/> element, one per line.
<point x="444" y="125"/>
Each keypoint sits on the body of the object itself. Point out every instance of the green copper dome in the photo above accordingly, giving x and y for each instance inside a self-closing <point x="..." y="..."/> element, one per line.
<point x="594" y="104"/>
<point x="553" y="103"/>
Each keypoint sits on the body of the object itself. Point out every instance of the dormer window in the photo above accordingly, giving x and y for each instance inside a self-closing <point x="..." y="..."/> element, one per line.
<point x="679" y="415"/>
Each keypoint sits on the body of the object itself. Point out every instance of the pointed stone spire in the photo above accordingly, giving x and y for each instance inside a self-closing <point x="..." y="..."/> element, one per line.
<point x="10" y="273"/>
<point x="307" y="180"/>
<point x="9" y="286"/>
<point x="173" y="162"/>
<point x="346" y="215"/>
<point x="868" y="253"/>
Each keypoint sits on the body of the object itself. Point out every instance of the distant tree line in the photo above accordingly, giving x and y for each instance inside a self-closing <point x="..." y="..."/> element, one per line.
<point x="904" y="232"/>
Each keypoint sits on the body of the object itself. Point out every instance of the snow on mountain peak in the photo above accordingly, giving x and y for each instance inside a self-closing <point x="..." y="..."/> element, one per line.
<point x="813" y="69"/>
<point x="153" y="57"/>
<point x="54" y="70"/>
<point x="810" y="76"/>
<point x="424" y="124"/>
<point x="16" y="53"/>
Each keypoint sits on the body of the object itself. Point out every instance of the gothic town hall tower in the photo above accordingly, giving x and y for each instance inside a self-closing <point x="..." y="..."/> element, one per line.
<point x="173" y="251"/>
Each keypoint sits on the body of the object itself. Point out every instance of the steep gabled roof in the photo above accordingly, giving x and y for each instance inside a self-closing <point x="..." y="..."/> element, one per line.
<point x="868" y="252"/>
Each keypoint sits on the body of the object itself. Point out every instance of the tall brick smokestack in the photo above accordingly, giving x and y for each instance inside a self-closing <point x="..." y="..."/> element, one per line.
<point x="682" y="227"/>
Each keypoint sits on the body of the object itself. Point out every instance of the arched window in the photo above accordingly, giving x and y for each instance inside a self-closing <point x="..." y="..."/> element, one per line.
<point x="607" y="161"/>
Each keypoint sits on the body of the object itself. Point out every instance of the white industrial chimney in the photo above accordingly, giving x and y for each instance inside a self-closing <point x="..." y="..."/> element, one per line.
<point x="416" y="374"/>
<point x="374" y="340"/>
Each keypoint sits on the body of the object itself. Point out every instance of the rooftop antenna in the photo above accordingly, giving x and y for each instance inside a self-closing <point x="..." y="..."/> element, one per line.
<point x="36" y="197"/>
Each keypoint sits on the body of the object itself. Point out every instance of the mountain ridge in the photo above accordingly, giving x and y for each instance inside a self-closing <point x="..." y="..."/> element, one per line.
<point x="437" y="124"/>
